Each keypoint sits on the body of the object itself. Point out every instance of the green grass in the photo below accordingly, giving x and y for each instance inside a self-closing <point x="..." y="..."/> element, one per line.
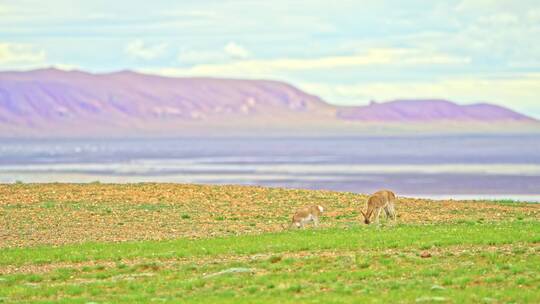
<point x="510" y="202"/>
<point x="401" y="236"/>
<point x="476" y="262"/>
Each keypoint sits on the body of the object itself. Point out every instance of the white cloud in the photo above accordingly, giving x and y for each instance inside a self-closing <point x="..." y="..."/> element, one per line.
<point x="3" y="10"/>
<point x="236" y="51"/>
<point x="20" y="54"/>
<point x="102" y="16"/>
<point x="501" y="19"/>
<point x="230" y="51"/>
<point x="183" y="13"/>
<point x="66" y="67"/>
<point x="269" y="67"/>
<point x="138" y="49"/>
<point x="489" y="6"/>
<point x="533" y="15"/>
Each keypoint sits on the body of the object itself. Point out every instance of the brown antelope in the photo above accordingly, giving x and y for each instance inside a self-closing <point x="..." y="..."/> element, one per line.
<point x="380" y="200"/>
<point x="305" y="215"/>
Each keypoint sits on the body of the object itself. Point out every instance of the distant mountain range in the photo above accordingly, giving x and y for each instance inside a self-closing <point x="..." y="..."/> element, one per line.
<point x="51" y="102"/>
<point x="430" y="110"/>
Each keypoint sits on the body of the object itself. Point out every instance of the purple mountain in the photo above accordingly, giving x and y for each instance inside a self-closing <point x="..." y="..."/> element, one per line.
<point x="55" y="95"/>
<point x="429" y="110"/>
<point x="53" y="102"/>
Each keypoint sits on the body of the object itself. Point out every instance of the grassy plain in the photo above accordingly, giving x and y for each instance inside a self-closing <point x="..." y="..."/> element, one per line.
<point x="191" y="243"/>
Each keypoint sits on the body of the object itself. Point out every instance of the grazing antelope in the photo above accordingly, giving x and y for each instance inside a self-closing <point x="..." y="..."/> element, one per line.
<point x="380" y="200"/>
<point x="305" y="215"/>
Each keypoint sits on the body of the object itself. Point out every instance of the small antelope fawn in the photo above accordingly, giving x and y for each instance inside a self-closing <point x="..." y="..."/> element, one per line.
<point x="305" y="215"/>
<point x="380" y="200"/>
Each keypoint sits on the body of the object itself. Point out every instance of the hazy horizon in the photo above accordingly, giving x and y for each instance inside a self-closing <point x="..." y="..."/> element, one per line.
<point x="348" y="54"/>
<point x="458" y="167"/>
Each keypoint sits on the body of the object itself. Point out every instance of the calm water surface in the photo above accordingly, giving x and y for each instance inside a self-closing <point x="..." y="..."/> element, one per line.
<point x="440" y="167"/>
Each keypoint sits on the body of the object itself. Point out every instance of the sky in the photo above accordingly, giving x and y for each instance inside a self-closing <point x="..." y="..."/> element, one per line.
<point x="347" y="52"/>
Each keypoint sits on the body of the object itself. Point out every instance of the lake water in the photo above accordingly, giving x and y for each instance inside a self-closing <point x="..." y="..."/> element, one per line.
<point x="494" y="167"/>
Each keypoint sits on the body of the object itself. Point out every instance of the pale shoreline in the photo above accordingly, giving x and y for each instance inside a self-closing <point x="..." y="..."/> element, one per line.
<point x="525" y="198"/>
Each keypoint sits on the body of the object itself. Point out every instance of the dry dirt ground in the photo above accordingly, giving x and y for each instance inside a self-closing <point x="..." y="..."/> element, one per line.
<point x="55" y="214"/>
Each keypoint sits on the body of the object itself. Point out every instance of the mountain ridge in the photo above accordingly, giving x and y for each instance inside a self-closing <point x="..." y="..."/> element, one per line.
<point x="404" y="110"/>
<point x="52" y="100"/>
